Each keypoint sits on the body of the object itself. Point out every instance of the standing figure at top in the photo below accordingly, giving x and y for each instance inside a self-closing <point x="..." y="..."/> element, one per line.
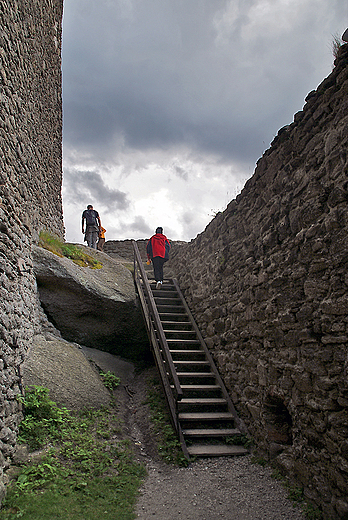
<point x="101" y="241"/>
<point x="157" y="250"/>
<point x="91" y="218"/>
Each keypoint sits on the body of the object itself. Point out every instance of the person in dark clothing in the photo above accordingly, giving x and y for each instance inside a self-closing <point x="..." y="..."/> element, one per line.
<point x="157" y="250"/>
<point x="91" y="218"/>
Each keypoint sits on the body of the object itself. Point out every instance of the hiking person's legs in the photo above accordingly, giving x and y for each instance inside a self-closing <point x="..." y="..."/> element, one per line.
<point x="91" y="237"/>
<point x="158" y="263"/>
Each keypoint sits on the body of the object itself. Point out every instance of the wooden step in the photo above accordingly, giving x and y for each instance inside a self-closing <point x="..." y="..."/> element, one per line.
<point x="185" y="353"/>
<point x="208" y="416"/>
<point x="203" y="400"/>
<point x="164" y="293"/>
<point x="203" y="388"/>
<point x="199" y="366"/>
<point x="216" y="450"/>
<point x="200" y="390"/>
<point x="210" y="432"/>
<point x="176" y="316"/>
<point x="173" y="326"/>
<point x="196" y="377"/>
<point x="195" y="374"/>
<point x="180" y="334"/>
<point x="170" y="309"/>
<point x="167" y="301"/>
<point x="202" y="405"/>
<point x="181" y="341"/>
<point x="189" y="364"/>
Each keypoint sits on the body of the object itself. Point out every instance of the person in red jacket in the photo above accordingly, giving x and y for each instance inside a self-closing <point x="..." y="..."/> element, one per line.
<point x="157" y="250"/>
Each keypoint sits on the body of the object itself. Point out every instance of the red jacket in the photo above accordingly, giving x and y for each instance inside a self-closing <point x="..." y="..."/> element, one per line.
<point x="158" y="245"/>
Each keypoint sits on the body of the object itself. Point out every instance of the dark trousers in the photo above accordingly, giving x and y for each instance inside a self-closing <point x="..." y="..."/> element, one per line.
<point x="158" y="263"/>
<point x="92" y="233"/>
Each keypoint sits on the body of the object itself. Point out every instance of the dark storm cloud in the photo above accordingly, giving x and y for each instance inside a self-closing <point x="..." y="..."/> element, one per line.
<point x="161" y="95"/>
<point x="87" y="187"/>
<point x="161" y="73"/>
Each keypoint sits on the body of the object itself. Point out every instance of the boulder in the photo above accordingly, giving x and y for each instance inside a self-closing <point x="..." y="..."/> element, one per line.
<point x="92" y="307"/>
<point x="64" y="369"/>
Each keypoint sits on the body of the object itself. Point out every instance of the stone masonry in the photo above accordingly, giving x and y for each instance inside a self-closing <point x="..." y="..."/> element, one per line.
<point x="267" y="280"/>
<point x="268" y="284"/>
<point x="30" y="182"/>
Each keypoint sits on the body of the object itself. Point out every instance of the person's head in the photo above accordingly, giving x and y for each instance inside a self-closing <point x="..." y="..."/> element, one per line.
<point x="159" y="230"/>
<point x="89" y="206"/>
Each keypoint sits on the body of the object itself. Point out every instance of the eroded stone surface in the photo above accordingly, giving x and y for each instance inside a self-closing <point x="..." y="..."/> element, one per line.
<point x="92" y="307"/>
<point x="63" y="368"/>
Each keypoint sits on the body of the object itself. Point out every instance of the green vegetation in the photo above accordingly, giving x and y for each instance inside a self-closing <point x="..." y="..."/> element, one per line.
<point x="240" y="440"/>
<point x="168" y="444"/>
<point x="43" y="418"/>
<point x="79" y="475"/>
<point x="110" y="380"/>
<point x="60" y="248"/>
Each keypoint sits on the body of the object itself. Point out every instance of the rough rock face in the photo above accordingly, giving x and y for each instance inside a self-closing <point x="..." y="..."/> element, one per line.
<point x="268" y="284"/>
<point x="92" y="307"/>
<point x="63" y="368"/>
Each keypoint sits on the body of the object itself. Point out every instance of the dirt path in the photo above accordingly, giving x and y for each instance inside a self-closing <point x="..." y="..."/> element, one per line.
<point x="209" y="489"/>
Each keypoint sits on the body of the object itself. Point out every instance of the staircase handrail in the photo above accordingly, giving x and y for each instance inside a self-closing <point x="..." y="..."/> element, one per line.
<point x="169" y="367"/>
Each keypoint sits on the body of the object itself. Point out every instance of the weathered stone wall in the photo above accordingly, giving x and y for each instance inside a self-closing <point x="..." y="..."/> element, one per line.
<point x="268" y="284"/>
<point x="30" y="182"/>
<point x="124" y="249"/>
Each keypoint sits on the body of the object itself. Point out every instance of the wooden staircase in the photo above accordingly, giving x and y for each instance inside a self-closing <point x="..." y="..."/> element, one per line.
<point x="201" y="410"/>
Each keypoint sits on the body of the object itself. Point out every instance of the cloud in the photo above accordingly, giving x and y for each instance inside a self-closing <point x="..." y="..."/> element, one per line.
<point x="180" y="172"/>
<point x="140" y="226"/>
<point x="169" y="104"/>
<point x="88" y="186"/>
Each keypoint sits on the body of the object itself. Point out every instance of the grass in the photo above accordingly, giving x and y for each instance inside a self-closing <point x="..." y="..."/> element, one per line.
<point x="85" y="471"/>
<point x="168" y="444"/>
<point x="60" y="248"/>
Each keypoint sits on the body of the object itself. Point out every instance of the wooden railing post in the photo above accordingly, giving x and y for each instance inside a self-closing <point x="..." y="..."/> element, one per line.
<point x="162" y="353"/>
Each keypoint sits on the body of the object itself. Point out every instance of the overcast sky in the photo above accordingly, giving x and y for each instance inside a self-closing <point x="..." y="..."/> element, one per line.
<point x="168" y="104"/>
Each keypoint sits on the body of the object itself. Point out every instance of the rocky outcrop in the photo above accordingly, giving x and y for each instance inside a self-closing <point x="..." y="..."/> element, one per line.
<point x="92" y="307"/>
<point x="268" y="284"/>
<point x="63" y="368"/>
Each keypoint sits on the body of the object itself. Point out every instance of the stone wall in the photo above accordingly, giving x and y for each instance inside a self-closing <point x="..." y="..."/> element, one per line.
<point x="268" y="284"/>
<point x="123" y="249"/>
<point x="30" y="182"/>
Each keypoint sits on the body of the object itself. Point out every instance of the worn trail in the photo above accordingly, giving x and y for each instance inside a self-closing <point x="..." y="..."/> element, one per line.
<point x="230" y="488"/>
